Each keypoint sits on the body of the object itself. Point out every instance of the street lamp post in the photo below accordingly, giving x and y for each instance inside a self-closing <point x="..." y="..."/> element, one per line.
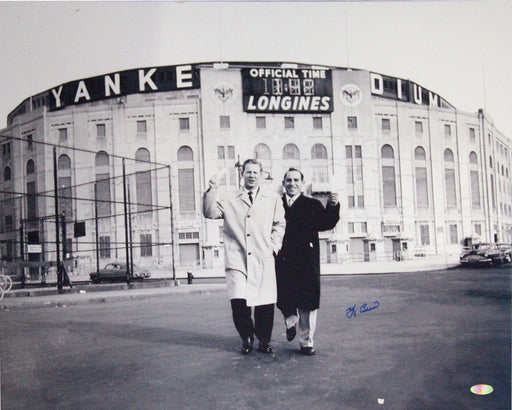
<point x="57" y="237"/>
<point x="238" y="167"/>
<point x="173" y="239"/>
<point x="126" y="237"/>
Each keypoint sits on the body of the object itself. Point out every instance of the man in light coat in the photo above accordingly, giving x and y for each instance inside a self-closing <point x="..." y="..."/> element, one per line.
<point x="254" y="227"/>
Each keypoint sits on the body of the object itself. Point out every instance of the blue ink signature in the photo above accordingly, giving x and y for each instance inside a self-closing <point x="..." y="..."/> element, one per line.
<point x="351" y="311"/>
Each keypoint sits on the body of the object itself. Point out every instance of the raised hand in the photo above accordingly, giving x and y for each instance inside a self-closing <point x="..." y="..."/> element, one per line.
<point x="213" y="182"/>
<point x="333" y="199"/>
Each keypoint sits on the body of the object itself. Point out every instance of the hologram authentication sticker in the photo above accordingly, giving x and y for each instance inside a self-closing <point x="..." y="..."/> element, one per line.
<point x="481" y="389"/>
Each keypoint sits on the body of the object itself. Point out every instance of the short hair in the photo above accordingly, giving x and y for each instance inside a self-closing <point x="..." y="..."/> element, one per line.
<point x="296" y="170"/>
<point x="252" y="161"/>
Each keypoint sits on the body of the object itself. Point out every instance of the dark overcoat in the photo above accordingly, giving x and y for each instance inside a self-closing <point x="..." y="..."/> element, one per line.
<point x="298" y="262"/>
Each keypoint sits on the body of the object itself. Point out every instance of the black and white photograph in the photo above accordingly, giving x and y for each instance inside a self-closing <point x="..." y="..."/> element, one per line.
<point x="256" y="205"/>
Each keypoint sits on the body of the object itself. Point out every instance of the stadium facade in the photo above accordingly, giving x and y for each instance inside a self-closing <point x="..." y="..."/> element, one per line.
<point x="415" y="175"/>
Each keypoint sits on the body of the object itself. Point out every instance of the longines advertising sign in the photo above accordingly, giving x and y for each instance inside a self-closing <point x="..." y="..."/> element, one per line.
<point x="141" y="80"/>
<point x="287" y="90"/>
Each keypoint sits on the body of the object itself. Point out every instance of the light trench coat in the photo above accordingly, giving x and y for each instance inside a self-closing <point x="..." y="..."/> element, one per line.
<point x="253" y="234"/>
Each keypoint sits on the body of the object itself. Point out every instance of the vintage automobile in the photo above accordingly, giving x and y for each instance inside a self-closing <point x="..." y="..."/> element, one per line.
<point x="484" y="254"/>
<point x="506" y="249"/>
<point x="116" y="271"/>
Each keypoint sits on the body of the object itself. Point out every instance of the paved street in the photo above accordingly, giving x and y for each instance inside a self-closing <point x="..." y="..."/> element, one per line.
<point x="423" y="340"/>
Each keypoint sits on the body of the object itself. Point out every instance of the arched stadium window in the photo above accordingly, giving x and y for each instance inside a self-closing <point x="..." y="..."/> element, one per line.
<point x="143" y="181"/>
<point x="64" y="162"/>
<point x="103" y="184"/>
<point x="290" y="151"/>
<point x="101" y="159"/>
<point x="186" y="184"/>
<point x="185" y="154"/>
<point x="263" y="154"/>
<point x="448" y="155"/>
<point x="31" y="167"/>
<point x="318" y="151"/>
<point x="291" y="157"/>
<point x="142" y="155"/>
<point x="475" y="180"/>
<point x="319" y="163"/>
<point x="449" y="179"/>
<point x="7" y="174"/>
<point x="388" y="176"/>
<point x="387" y="152"/>
<point x="420" y="171"/>
<point x="419" y="154"/>
<point x="64" y="181"/>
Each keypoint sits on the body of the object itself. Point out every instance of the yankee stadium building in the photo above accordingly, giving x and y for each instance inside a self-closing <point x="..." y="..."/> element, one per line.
<point x="415" y="175"/>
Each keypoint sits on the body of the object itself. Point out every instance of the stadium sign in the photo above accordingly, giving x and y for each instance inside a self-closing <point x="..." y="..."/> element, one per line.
<point x="405" y="90"/>
<point x="141" y="80"/>
<point x="287" y="90"/>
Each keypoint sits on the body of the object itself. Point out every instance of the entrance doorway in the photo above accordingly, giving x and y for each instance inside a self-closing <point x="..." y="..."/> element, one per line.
<point x="397" y="254"/>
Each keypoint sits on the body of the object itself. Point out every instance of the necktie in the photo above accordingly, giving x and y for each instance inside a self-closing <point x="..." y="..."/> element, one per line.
<point x="250" y="196"/>
<point x="290" y="202"/>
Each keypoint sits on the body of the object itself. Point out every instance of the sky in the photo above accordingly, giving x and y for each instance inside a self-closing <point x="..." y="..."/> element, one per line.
<point x="460" y="50"/>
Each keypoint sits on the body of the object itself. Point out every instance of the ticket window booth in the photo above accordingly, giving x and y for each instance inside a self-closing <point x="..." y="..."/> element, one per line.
<point x="34" y="249"/>
<point x="400" y="249"/>
<point x="468" y="242"/>
<point x="405" y="250"/>
<point x="396" y="249"/>
<point x="369" y="250"/>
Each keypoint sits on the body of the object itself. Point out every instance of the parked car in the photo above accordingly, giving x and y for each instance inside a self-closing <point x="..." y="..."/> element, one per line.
<point x="116" y="271"/>
<point x="506" y="249"/>
<point x="484" y="254"/>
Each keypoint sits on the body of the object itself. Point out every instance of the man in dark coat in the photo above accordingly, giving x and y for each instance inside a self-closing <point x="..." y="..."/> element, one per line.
<point x="298" y="262"/>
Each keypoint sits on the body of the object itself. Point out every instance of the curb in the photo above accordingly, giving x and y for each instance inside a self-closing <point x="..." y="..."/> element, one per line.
<point x="110" y="296"/>
<point x="22" y="299"/>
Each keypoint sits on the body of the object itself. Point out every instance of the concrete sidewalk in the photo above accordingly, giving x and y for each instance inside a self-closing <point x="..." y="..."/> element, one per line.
<point x="82" y="294"/>
<point x="427" y="263"/>
<point x="35" y="297"/>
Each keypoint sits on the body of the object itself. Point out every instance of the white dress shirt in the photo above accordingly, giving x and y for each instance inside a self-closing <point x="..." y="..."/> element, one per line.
<point x="291" y="199"/>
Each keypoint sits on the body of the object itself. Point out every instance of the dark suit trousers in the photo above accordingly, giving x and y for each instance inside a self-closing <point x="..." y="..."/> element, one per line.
<point x="263" y="320"/>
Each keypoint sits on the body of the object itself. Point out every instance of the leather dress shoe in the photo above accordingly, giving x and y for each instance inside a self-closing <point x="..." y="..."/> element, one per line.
<point x="290" y="333"/>
<point x="307" y="351"/>
<point x="264" y="348"/>
<point x="246" y="346"/>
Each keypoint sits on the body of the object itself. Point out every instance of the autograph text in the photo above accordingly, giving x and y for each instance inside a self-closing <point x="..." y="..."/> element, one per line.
<point x="352" y="311"/>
